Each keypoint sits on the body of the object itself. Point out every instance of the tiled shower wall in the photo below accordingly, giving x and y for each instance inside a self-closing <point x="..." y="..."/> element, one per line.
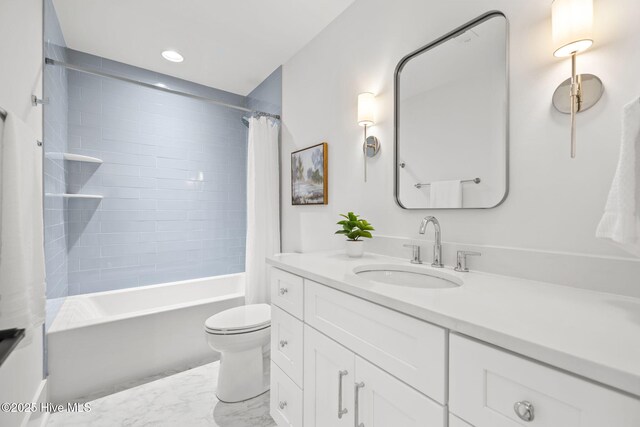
<point x="173" y="181"/>
<point x="55" y="142"/>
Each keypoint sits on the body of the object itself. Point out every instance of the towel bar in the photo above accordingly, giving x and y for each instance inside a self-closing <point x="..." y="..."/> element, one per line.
<point x="474" y="180"/>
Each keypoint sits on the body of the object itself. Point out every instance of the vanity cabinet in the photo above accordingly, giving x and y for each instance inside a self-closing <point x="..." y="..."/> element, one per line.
<point x="410" y="349"/>
<point x="340" y="360"/>
<point x="343" y="389"/>
<point x="488" y="387"/>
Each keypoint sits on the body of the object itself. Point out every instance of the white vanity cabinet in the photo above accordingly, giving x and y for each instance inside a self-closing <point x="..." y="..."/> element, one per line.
<point x="343" y="389"/>
<point x="358" y="361"/>
<point x="488" y="387"/>
<point x="340" y="360"/>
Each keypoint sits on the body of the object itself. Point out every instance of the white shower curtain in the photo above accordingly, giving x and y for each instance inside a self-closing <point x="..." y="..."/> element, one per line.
<point x="263" y="206"/>
<point x="22" y="273"/>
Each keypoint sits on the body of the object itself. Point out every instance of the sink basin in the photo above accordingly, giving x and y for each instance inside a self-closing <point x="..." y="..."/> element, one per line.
<point x="407" y="276"/>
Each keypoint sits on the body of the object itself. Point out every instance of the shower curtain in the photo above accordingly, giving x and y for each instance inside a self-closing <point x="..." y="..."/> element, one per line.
<point x="263" y="206"/>
<point x="22" y="275"/>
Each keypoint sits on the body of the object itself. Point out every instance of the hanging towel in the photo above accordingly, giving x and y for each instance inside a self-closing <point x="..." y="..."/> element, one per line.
<point x="22" y="277"/>
<point x="621" y="220"/>
<point x="445" y="194"/>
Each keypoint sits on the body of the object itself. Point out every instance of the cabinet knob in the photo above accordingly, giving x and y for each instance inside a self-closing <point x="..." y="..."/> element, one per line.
<point x="282" y="404"/>
<point x="524" y="410"/>
<point x="283" y="291"/>
<point x="283" y="343"/>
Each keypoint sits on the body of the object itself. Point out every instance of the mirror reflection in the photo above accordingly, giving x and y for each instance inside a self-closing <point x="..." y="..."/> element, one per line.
<point x="451" y="120"/>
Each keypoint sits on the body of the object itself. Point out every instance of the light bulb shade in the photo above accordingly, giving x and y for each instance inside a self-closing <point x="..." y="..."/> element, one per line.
<point x="572" y="26"/>
<point x="366" y="109"/>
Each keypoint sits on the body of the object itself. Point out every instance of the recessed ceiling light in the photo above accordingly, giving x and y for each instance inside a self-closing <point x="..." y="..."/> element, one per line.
<point x="172" y="55"/>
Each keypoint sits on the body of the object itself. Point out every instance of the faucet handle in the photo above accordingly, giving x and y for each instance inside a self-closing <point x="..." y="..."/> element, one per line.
<point x="415" y="258"/>
<point x="461" y="262"/>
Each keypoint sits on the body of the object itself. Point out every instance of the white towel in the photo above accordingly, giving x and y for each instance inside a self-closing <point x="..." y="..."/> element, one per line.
<point x="621" y="220"/>
<point x="445" y="194"/>
<point x="22" y="288"/>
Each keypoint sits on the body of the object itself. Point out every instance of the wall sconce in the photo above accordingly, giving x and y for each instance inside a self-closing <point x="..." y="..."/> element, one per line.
<point x="572" y="22"/>
<point x="366" y="110"/>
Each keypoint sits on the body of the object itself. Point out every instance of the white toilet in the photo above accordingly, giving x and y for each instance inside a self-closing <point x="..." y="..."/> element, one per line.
<point x="241" y="335"/>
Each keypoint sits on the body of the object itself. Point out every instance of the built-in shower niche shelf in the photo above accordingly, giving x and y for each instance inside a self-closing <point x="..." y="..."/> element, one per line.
<point x="75" y="196"/>
<point x="74" y="157"/>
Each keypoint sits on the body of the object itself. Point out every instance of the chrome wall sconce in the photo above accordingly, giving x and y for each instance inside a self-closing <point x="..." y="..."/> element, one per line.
<point x="572" y="25"/>
<point x="366" y="113"/>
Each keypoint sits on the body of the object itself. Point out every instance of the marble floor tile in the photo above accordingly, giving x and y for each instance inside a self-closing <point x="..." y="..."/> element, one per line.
<point x="186" y="399"/>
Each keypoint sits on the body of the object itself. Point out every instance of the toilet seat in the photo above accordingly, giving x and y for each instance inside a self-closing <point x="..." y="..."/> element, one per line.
<point x="239" y="320"/>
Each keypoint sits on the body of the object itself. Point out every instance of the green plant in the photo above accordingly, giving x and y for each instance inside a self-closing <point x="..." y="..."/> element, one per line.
<point x="353" y="227"/>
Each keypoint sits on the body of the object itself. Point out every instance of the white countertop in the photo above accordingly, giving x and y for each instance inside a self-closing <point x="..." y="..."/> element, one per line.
<point x="592" y="334"/>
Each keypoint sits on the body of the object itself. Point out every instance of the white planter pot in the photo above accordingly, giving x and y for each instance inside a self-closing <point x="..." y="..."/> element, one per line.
<point x="355" y="248"/>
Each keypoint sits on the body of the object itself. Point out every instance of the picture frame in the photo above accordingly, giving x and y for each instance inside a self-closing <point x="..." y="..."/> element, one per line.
<point x="309" y="177"/>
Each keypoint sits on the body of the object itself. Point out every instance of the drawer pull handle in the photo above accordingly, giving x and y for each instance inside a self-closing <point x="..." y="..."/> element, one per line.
<point x="356" y="409"/>
<point x="524" y="410"/>
<point x="283" y="343"/>
<point x="341" y="410"/>
<point x="283" y="291"/>
<point x="282" y="404"/>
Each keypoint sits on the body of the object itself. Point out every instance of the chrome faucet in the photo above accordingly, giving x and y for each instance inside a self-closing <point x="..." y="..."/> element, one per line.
<point x="437" y="246"/>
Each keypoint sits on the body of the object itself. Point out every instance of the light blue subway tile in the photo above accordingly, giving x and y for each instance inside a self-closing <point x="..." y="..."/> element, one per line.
<point x="171" y="215"/>
<point x="178" y="246"/>
<point x="127" y="205"/>
<point x="126" y="226"/>
<point x="119" y="169"/>
<point x="165" y="173"/>
<point x="128" y="181"/>
<point x="118" y="238"/>
<point x="129" y="159"/>
<point x="174" y="164"/>
<point x="173" y="181"/>
<point x="130" y="249"/>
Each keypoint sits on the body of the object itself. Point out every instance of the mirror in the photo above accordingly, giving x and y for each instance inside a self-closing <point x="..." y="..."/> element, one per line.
<point x="451" y="119"/>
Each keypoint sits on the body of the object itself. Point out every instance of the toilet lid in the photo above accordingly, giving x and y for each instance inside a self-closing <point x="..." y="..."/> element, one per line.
<point x="245" y="318"/>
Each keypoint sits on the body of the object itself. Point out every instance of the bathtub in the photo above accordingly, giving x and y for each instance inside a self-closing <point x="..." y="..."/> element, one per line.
<point x="99" y="342"/>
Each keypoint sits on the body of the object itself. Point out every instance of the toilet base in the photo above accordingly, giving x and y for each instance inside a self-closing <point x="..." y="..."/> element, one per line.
<point x="243" y="375"/>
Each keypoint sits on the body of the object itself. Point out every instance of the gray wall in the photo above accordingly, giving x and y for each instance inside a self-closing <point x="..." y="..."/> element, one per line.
<point x="55" y="142"/>
<point x="267" y="96"/>
<point x="173" y="181"/>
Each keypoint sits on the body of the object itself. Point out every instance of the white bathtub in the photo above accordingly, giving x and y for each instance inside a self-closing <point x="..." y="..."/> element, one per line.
<point x="100" y="341"/>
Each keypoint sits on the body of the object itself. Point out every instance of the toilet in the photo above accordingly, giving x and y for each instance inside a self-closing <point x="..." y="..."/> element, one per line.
<point x="241" y="335"/>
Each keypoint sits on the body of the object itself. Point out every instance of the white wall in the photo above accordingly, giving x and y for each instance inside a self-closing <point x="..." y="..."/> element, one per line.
<point x="555" y="203"/>
<point x="21" y="76"/>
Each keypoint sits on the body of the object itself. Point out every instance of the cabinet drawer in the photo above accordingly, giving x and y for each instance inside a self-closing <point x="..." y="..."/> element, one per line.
<point x="287" y="292"/>
<point x="286" y="343"/>
<point x="486" y="383"/>
<point x="409" y="349"/>
<point x="286" y="399"/>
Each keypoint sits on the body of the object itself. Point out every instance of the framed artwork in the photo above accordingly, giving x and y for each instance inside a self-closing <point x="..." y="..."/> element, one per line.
<point x="309" y="176"/>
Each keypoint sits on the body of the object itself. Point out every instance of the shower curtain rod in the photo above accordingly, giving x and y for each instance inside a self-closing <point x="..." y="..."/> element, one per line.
<point x="95" y="72"/>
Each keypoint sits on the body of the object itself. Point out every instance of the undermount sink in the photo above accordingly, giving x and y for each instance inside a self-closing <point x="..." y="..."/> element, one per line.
<point x="407" y="276"/>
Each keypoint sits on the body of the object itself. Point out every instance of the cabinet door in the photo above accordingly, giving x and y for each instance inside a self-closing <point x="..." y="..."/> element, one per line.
<point x="329" y="372"/>
<point x="383" y="400"/>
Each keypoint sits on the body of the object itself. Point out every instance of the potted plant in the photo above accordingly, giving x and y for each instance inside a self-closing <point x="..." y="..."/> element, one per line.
<point x="354" y="228"/>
